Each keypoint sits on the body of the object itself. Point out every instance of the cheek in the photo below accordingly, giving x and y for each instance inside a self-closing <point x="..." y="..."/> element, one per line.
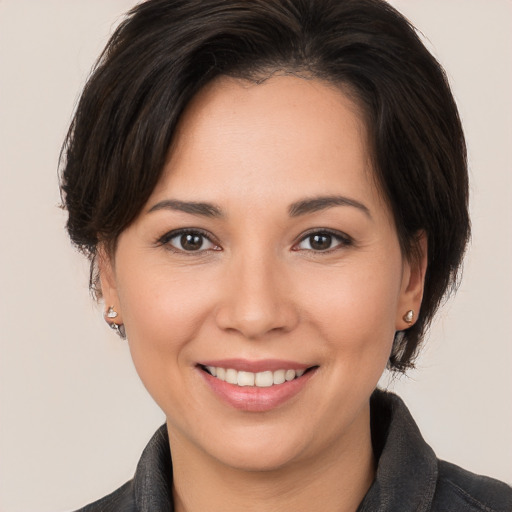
<point x="355" y="308"/>
<point x="162" y="315"/>
<point x="160" y="303"/>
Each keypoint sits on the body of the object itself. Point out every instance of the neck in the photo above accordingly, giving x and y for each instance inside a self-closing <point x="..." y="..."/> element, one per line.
<point x="338" y="479"/>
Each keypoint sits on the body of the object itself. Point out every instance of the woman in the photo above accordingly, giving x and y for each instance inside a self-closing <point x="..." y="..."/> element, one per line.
<point x="273" y="196"/>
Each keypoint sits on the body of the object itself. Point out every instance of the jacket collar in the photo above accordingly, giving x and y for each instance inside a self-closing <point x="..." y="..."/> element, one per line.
<point x="407" y="467"/>
<point x="152" y="482"/>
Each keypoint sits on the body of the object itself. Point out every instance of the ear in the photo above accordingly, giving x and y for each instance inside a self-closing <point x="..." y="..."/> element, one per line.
<point x="413" y="283"/>
<point x="108" y="284"/>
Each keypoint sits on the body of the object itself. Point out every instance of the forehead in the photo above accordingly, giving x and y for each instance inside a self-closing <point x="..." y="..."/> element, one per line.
<point x="284" y="137"/>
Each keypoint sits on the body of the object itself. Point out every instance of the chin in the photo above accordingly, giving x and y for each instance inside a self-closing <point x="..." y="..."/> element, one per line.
<point x="256" y="459"/>
<point x="256" y="450"/>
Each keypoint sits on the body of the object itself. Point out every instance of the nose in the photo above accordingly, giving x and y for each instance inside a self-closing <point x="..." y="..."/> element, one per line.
<point x="257" y="299"/>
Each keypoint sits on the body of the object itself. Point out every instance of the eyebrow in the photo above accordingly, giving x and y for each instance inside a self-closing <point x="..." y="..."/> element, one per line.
<point x="296" y="209"/>
<point x="192" y="207"/>
<point x="316" y="204"/>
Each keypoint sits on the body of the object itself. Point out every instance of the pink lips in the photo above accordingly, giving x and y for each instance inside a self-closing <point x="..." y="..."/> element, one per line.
<point x="256" y="399"/>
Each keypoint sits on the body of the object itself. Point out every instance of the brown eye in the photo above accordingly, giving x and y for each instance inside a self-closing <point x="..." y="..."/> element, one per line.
<point x="191" y="242"/>
<point x="188" y="241"/>
<point x="320" y="242"/>
<point x="323" y="241"/>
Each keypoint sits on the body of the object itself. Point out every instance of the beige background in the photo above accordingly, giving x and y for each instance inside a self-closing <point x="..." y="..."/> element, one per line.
<point x="73" y="415"/>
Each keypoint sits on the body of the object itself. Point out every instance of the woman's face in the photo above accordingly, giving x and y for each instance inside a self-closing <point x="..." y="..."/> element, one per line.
<point x="264" y="251"/>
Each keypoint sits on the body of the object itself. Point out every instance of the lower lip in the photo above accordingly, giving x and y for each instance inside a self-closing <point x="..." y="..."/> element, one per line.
<point x="254" y="399"/>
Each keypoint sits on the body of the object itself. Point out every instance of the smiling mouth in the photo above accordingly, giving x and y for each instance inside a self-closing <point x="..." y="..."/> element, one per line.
<point x="264" y="379"/>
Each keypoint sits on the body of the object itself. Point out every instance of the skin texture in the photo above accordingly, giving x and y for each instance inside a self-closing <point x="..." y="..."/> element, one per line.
<point x="258" y="290"/>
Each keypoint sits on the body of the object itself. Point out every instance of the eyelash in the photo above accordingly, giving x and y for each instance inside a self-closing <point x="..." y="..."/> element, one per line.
<point x="168" y="237"/>
<point x="342" y="239"/>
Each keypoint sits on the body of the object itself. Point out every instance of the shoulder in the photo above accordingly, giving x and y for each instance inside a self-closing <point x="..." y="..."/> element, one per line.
<point x="411" y="478"/>
<point x="121" y="500"/>
<point x="458" y="489"/>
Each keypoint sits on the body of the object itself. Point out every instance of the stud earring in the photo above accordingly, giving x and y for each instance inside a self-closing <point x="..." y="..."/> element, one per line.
<point x="408" y="317"/>
<point x="111" y="312"/>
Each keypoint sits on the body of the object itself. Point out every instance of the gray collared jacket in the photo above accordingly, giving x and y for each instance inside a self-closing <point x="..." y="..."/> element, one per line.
<point x="409" y="476"/>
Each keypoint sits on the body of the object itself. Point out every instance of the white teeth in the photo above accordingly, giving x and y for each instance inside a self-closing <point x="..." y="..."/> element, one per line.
<point x="289" y="375"/>
<point x="231" y="376"/>
<point x="261" y="379"/>
<point x="264" y="379"/>
<point x="245" y="379"/>
<point x="279" y="377"/>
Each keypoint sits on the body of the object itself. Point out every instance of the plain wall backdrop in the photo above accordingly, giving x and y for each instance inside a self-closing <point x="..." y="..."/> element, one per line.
<point x="73" y="415"/>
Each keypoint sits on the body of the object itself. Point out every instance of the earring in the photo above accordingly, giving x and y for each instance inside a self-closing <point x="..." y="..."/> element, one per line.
<point x="408" y="317"/>
<point x="111" y="312"/>
<point x="119" y="328"/>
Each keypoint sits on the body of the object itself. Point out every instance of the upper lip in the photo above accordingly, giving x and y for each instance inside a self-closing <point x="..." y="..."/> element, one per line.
<point x="256" y="366"/>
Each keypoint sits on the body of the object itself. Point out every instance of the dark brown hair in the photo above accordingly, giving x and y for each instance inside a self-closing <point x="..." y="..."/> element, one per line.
<point x="166" y="50"/>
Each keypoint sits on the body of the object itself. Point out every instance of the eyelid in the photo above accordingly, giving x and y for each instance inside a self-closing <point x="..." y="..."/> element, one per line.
<point x="344" y="239"/>
<point x="165" y="239"/>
